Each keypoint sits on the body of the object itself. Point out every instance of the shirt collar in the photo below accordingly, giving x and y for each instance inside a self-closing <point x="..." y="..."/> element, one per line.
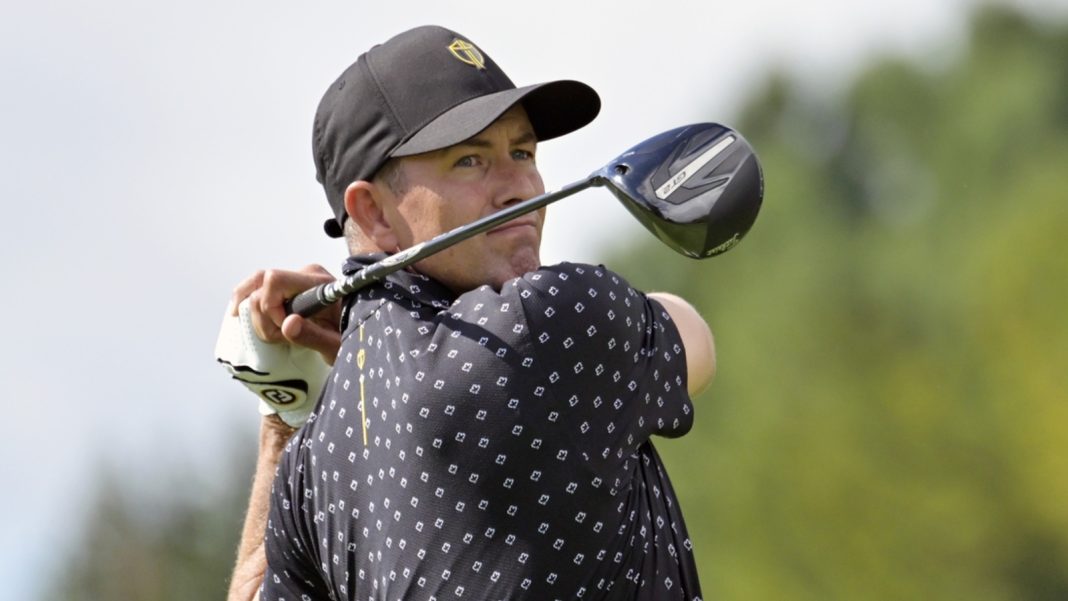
<point x="405" y="282"/>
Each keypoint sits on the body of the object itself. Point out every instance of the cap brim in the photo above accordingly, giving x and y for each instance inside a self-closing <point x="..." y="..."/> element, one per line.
<point x="554" y="109"/>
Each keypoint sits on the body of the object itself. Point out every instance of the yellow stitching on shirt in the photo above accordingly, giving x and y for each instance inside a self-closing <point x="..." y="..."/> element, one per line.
<point x="361" y="356"/>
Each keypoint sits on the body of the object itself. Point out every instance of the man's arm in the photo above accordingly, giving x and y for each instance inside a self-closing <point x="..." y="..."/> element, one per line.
<point x="251" y="558"/>
<point x="696" y="338"/>
<point x="267" y="292"/>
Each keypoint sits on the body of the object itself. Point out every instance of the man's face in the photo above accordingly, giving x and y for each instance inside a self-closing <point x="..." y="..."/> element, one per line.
<point x="454" y="186"/>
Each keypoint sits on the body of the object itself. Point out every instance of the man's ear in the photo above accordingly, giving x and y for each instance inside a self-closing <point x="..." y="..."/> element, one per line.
<point x="364" y="205"/>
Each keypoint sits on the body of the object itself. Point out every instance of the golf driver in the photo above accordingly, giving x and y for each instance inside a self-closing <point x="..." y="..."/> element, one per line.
<point x="697" y="188"/>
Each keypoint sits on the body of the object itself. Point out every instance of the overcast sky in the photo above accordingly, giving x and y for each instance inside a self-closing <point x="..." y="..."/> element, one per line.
<point x="153" y="154"/>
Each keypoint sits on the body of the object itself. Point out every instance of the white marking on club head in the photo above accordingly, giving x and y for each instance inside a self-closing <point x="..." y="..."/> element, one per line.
<point x="688" y="171"/>
<point x="722" y="248"/>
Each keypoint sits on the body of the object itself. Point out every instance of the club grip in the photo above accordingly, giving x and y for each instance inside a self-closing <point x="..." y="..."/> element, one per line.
<point x="306" y="303"/>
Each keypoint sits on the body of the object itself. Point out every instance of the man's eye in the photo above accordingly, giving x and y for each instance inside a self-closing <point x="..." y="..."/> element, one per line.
<point x="522" y="155"/>
<point x="470" y="160"/>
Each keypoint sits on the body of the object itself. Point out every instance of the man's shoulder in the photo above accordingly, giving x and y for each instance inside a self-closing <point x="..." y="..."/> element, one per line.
<point x="574" y="283"/>
<point x="571" y="279"/>
<point x="562" y="289"/>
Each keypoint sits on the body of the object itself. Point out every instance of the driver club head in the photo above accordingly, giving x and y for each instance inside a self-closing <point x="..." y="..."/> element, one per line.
<point x="698" y="188"/>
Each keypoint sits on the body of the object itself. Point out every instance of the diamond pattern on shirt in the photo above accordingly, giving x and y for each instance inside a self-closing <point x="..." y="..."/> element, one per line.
<point x="508" y="449"/>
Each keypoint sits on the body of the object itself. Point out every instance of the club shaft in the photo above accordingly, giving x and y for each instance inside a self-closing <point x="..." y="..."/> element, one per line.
<point x="311" y="301"/>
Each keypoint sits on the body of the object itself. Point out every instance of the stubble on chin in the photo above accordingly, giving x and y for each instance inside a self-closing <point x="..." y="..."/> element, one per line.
<point x="521" y="263"/>
<point x="526" y="263"/>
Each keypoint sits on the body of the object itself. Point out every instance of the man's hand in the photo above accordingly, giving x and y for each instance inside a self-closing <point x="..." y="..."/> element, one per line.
<point x="267" y="292"/>
<point x="283" y="359"/>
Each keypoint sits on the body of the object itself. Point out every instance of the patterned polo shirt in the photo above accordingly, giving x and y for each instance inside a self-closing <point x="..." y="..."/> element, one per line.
<point x="491" y="445"/>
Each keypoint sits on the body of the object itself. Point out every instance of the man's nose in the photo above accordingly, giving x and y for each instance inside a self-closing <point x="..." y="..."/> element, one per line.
<point x="513" y="183"/>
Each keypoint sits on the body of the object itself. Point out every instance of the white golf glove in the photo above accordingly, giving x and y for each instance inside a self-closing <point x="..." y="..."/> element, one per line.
<point x="287" y="378"/>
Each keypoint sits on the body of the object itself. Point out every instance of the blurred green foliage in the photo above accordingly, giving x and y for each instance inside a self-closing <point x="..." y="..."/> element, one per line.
<point x="178" y="544"/>
<point x="890" y="420"/>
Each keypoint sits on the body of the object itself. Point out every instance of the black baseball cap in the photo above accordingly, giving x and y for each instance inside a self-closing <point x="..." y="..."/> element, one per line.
<point x="423" y="90"/>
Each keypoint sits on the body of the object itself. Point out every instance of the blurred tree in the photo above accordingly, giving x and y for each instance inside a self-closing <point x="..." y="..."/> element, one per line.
<point x="891" y="416"/>
<point x="140" y="547"/>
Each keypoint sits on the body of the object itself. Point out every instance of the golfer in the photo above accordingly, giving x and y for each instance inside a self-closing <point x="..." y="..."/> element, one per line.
<point x="486" y="429"/>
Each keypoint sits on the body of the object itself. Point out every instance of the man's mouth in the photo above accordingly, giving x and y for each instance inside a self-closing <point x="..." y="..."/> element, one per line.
<point x="514" y="225"/>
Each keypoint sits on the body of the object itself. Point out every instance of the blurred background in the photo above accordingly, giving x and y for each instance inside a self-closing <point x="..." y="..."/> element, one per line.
<point x="890" y="420"/>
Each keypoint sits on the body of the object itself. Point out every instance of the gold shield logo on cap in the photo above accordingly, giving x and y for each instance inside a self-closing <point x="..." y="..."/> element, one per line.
<point x="467" y="53"/>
